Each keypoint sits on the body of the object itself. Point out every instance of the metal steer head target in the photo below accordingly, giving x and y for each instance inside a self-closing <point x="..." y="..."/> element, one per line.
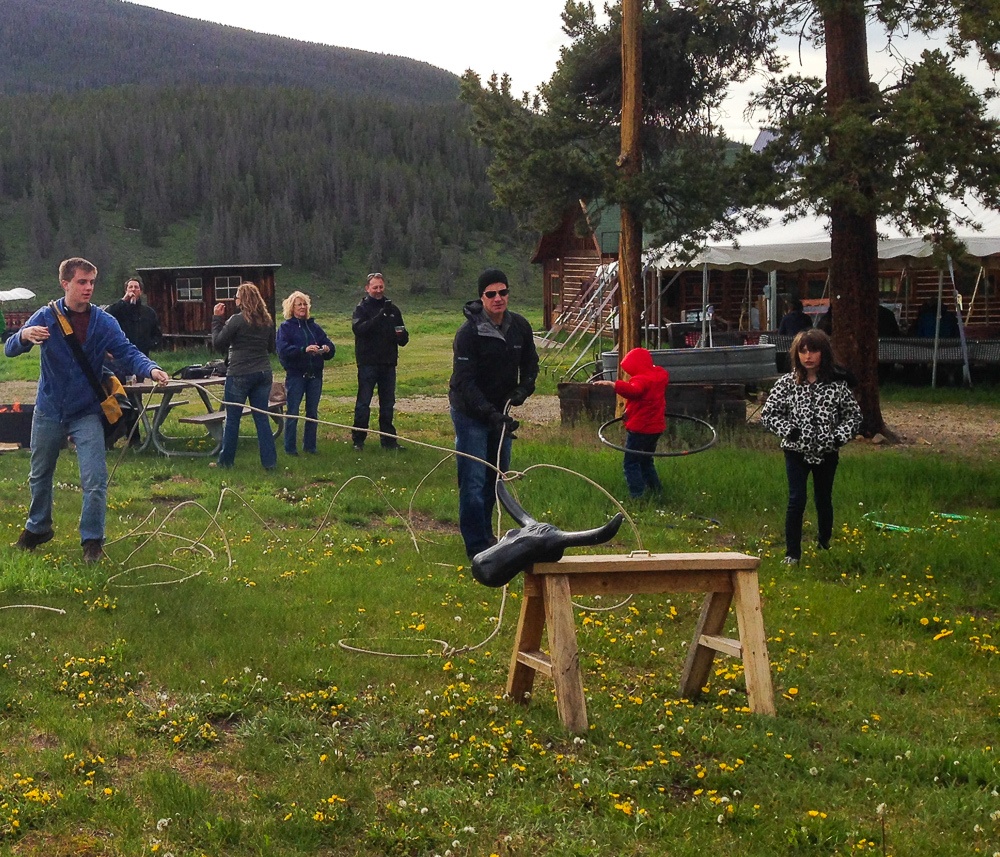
<point x="532" y="542"/>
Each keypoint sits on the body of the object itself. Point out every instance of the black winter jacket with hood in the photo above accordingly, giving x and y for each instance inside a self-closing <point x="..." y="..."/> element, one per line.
<point x="491" y="363"/>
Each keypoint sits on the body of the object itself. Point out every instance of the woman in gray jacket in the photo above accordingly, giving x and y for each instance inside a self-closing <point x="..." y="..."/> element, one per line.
<point x="249" y="336"/>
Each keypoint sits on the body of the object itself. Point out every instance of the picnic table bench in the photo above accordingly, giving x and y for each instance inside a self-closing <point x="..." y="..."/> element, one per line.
<point x="549" y="587"/>
<point x="214" y="421"/>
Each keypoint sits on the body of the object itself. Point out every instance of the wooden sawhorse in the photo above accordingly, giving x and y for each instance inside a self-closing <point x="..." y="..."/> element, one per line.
<point x="550" y="586"/>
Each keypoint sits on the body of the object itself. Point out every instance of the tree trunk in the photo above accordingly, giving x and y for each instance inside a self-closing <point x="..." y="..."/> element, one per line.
<point x="853" y="231"/>
<point x="630" y="162"/>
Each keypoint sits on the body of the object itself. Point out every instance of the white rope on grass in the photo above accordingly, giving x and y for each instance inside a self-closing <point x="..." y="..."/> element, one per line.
<point x="447" y="650"/>
<point x="58" y="610"/>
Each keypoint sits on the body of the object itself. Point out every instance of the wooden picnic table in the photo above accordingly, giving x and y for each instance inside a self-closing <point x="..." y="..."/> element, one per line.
<point x="153" y="415"/>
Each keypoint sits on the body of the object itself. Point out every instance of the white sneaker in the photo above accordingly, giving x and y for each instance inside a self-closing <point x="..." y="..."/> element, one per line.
<point x="789" y="560"/>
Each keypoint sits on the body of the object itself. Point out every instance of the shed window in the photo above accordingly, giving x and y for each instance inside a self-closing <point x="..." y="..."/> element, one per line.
<point x="188" y="289"/>
<point x="225" y="288"/>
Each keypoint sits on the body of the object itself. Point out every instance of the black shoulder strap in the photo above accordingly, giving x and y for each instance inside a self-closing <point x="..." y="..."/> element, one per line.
<point x="77" y="349"/>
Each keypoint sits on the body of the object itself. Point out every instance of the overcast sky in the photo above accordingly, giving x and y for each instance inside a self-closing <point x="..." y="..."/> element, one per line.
<point x="519" y="37"/>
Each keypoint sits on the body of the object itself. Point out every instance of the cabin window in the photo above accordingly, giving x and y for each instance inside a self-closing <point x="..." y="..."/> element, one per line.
<point x="225" y="288"/>
<point x="188" y="289"/>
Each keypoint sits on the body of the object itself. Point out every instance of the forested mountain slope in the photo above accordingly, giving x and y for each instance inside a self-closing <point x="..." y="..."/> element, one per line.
<point x="295" y="176"/>
<point x="59" y="45"/>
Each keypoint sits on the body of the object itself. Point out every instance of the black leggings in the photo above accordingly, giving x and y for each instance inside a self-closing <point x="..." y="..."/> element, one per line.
<point x="798" y="470"/>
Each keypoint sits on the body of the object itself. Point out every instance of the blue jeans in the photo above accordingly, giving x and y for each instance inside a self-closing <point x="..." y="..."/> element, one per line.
<point x="370" y="376"/>
<point x="256" y="387"/>
<point x="798" y="470"/>
<point x="476" y="481"/>
<point x="640" y="470"/>
<point x="297" y="386"/>
<point x="47" y="438"/>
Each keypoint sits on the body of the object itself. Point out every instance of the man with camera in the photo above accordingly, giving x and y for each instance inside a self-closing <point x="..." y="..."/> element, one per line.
<point x="379" y="333"/>
<point x="140" y="324"/>
<point x="495" y="366"/>
<point x="137" y="320"/>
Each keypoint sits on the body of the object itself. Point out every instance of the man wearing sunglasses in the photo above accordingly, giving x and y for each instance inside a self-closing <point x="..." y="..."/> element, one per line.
<point x="379" y="333"/>
<point x="495" y="366"/>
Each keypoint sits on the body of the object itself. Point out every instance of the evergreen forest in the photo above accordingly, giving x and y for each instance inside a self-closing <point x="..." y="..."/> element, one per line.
<point x="326" y="161"/>
<point x="294" y="176"/>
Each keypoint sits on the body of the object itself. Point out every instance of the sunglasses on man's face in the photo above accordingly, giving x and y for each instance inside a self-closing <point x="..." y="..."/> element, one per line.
<point x="502" y="292"/>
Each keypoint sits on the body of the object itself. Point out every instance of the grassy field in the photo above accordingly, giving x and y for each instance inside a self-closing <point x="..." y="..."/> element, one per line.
<point x="300" y="663"/>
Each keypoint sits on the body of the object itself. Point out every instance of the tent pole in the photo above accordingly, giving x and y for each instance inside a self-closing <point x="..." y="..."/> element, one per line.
<point x="966" y="374"/>
<point x="645" y="308"/>
<point x="937" y="327"/>
<point x="975" y="291"/>
<point x="659" y="309"/>
<point x="704" y="303"/>
<point x="772" y="300"/>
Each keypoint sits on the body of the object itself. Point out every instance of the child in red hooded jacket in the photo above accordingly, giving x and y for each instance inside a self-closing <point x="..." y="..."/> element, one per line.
<point x="645" y="395"/>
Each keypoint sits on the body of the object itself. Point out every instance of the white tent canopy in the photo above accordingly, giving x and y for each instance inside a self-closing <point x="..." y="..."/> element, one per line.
<point x="18" y="294"/>
<point x="804" y="244"/>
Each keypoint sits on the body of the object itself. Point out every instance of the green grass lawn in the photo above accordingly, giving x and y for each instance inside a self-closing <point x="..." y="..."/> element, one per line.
<point x="300" y="663"/>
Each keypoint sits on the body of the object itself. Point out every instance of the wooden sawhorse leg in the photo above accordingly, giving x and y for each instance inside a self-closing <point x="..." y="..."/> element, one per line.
<point x="756" y="664"/>
<point x="751" y="645"/>
<point x="549" y="602"/>
<point x="566" y="675"/>
<point x="706" y="643"/>
<point x="527" y="659"/>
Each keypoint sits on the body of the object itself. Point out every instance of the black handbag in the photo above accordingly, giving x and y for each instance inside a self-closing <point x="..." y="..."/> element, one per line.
<point x="200" y="371"/>
<point x="117" y="412"/>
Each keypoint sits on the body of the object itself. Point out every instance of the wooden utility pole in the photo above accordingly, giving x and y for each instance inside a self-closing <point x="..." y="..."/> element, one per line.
<point x="630" y="163"/>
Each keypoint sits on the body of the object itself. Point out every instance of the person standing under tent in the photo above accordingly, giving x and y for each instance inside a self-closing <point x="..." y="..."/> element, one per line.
<point x="795" y="320"/>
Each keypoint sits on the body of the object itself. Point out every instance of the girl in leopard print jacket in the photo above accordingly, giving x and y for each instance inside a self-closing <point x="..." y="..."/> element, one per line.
<point x="814" y="413"/>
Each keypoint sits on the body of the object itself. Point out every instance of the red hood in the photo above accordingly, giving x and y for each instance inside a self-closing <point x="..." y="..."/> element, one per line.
<point x="637" y="362"/>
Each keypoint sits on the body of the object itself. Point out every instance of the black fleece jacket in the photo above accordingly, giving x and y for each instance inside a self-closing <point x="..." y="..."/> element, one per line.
<point x="374" y="324"/>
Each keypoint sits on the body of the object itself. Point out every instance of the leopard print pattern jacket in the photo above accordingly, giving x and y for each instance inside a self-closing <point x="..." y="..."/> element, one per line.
<point x="812" y="419"/>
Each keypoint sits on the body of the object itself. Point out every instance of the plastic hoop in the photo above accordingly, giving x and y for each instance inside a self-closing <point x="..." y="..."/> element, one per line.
<point x="899" y="528"/>
<point x="712" y="441"/>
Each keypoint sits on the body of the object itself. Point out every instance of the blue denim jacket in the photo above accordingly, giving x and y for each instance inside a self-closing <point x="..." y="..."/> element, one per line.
<point x="63" y="391"/>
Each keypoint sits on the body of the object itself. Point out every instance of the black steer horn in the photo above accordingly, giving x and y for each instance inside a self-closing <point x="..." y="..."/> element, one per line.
<point x="533" y="542"/>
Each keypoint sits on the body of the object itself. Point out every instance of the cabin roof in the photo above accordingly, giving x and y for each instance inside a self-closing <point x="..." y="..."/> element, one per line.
<point x="271" y="265"/>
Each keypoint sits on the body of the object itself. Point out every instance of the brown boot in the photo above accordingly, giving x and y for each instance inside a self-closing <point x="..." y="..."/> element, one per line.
<point x="93" y="550"/>
<point x="28" y="540"/>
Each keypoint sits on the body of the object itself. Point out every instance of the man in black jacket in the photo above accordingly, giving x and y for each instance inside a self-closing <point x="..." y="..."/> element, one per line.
<point x="495" y="365"/>
<point x="137" y="320"/>
<point x="379" y="333"/>
<point x="141" y="326"/>
<point x="795" y="320"/>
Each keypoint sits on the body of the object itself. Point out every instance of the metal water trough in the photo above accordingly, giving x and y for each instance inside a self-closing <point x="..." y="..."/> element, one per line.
<point x="727" y="364"/>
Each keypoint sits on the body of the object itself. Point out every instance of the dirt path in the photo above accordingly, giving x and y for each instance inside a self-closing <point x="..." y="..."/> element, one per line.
<point x="964" y="429"/>
<point x="967" y="429"/>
